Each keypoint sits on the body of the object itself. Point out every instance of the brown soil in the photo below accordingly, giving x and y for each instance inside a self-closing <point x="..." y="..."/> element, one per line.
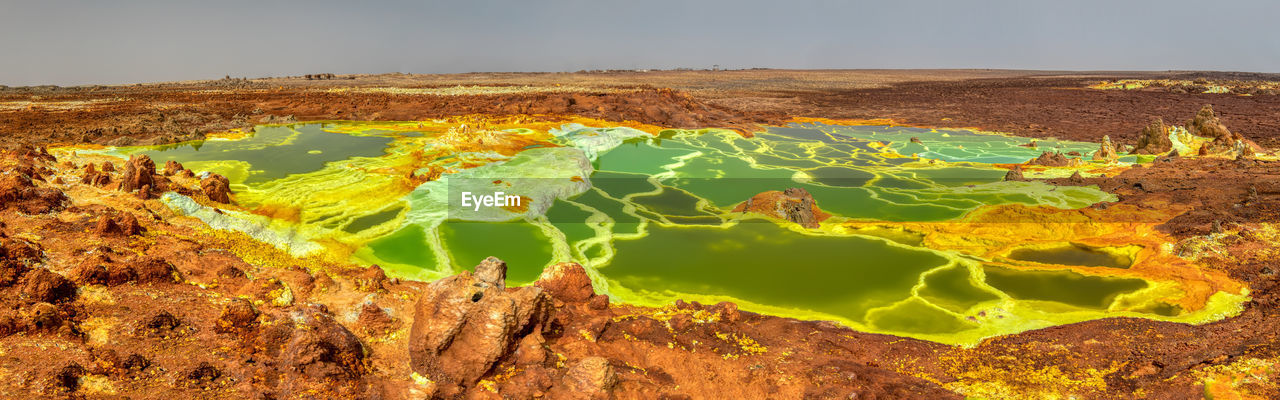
<point x="106" y="293"/>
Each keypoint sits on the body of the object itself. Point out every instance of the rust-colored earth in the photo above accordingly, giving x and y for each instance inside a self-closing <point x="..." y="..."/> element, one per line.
<point x="106" y="293"/>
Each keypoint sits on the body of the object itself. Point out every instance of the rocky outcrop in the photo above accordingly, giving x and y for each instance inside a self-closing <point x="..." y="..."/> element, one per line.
<point x="102" y="270"/>
<point x="1076" y="178"/>
<point x="466" y="323"/>
<point x="217" y="187"/>
<point x="172" y="168"/>
<point x="1106" y="151"/>
<point x="42" y="285"/>
<point x="139" y="175"/>
<point x="106" y="227"/>
<point x="320" y="348"/>
<point x="567" y="282"/>
<point x="1206" y="124"/>
<point x="18" y="192"/>
<point x="1014" y="174"/>
<point x="1055" y="159"/>
<point x="91" y="176"/>
<point x="1154" y="139"/>
<point x="794" y="204"/>
<point x="590" y="378"/>
<point x="125" y="224"/>
<point x="1224" y="142"/>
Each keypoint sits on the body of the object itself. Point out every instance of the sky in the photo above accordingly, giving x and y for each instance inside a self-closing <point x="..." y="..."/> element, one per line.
<point x="113" y="42"/>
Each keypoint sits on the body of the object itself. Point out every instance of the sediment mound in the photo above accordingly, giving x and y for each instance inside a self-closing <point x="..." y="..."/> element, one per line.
<point x="794" y="204"/>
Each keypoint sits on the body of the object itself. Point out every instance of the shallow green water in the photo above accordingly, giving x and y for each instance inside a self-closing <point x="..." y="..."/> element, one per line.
<point x="1072" y="255"/>
<point x="1060" y="286"/>
<point x="272" y="152"/>
<point x="768" y="264"/>
<point x="652" y="220"/>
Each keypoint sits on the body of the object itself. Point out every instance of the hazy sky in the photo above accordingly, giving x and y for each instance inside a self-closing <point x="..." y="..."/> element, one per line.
<point x="80" y="42"/>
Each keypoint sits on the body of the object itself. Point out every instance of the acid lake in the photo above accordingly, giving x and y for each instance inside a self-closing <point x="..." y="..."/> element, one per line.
<point x="649" y="215"/>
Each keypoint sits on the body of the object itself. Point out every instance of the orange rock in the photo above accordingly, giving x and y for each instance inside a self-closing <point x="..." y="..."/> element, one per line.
<point x="138" y="174"/>
<point x="217" y="187"/>
<point x="794" y="204"/>
<point x="567" y="282"/>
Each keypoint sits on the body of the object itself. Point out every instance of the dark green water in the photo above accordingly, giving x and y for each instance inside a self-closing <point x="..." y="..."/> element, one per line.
<point x="1072" y="255"/>
<point x="1061" y="286"/>
<point x="274" y="152"/>
<point x="767" y="264"/>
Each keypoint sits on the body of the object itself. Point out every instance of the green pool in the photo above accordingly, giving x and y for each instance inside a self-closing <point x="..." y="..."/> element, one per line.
<point x="650" y="216"/>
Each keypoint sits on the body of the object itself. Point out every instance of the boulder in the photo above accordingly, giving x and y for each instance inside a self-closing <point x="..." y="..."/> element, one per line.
<point x="129" y="224"/>
<point x="153" y="270"/>
<point x="372" y="279"/>
<point x="238" y="316"/>
<point x="464" y="324"/>
<point x="567" y="282"/>
<point x="106" y="227"/>
<point x="91" y="176"/>
<point x="320" y="348"/>
<point x="217" y="187"/>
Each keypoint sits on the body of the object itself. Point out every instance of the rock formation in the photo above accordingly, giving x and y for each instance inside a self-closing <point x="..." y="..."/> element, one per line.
<point x="126" y="224"/>
<point x="465" y="323"/>
<point x="1014" y="174"/>
<point x="590" y="378"/>
<point x="1154" y="139"/>
<point x="1206" y="124"/>
<point x="1224" y="142"/>
<point x="1076" y="177"/>
<point x="566" y="282"/>
<point x="172" y="168"/>
<point x="138" y="175"/>
<point x="19" y="192"/>
<point x="1106" y="151"/>
<point x="794" y="204"/>
<point x="92" y="176"/>
<point x="217" y="187"/>
<point x="1055" y="160"/>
